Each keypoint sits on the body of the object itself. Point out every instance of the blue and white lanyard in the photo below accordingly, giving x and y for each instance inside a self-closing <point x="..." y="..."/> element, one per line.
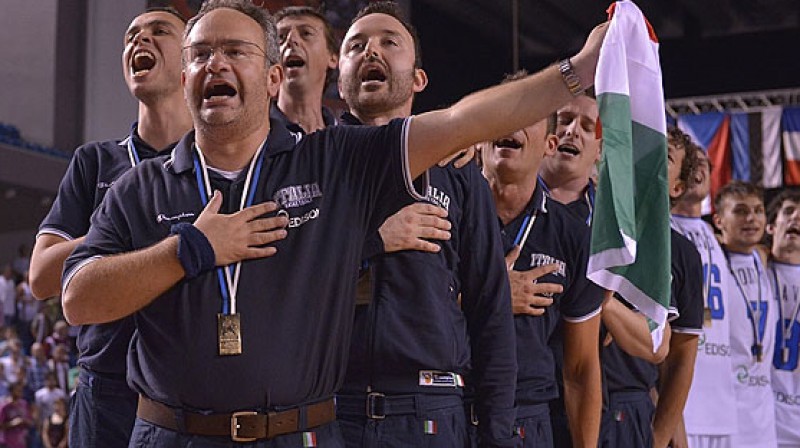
<point x="228" y="276"/>
<point x="753" y="314"/>
<point x="527" y="224"/>
<point x="786" y="328"/>
<point x="133" y="154"/>
<point x="588" y="196"/>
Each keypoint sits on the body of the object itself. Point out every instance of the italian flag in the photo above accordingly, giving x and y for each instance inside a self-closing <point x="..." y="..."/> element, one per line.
<point x="630" y="248"/>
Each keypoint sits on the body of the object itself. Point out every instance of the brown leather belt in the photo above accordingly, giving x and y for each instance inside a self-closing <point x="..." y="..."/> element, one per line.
<point x="245" y="426"/>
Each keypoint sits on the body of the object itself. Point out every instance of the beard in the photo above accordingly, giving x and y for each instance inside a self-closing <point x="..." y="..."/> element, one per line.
<point x="397" y="90"/>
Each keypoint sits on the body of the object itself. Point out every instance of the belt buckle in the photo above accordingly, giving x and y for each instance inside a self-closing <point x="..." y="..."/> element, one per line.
<point x="371" y="399"/>
<point x="235" y="426"/>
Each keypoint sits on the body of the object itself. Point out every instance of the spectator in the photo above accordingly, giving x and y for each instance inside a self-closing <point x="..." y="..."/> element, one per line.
<point x="59" y="365"/>
<point x="47" y="396"/>
<point x="55" y="428"/>
<point x="9" y="334"/>
<point x="8" y="295"/>
<point x="59" y="336"/>
<point x="15" y="418"/>
<point x="22" y="262"/>
<point x="27" y="308"/>
<point x="37" y="367"/>
<point x="14" y="361"/>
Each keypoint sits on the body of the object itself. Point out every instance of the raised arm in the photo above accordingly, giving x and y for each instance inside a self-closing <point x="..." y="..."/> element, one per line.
<point x="497" y="111"/>
<point x="112" y="287"/>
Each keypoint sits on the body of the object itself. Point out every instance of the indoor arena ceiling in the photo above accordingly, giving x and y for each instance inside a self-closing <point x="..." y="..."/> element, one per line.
<point x="546" y="26"/>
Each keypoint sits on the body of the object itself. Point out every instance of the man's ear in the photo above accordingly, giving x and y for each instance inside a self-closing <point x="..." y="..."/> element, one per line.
<point x="333" y="61"/>
<point x="274" y="80"/>
<point x="420" y="80"/>
<point x="677" y="190"/>
<point x="717" y="221"/>
<point x="551" y="145"/>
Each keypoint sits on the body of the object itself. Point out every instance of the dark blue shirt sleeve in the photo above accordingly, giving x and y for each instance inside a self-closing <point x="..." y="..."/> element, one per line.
<point x="110" y="231"/>
<point x="376" y="163"/>
<point x="582" y="297"/>
<point x="69" y="215"/>
<point x="687" y="285"/>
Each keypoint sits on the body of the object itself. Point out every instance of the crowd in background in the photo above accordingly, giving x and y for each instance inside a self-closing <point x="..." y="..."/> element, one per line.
<point x="37" y="363"/>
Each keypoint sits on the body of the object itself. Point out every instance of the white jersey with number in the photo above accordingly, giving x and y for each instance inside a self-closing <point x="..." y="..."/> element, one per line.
<point x="711" y="405"/>
<point x="785" y="371"/>
<point x="754" y="399"/>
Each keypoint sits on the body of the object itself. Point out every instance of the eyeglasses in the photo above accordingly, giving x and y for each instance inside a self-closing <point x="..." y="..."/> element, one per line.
<point x="233" y="51"/>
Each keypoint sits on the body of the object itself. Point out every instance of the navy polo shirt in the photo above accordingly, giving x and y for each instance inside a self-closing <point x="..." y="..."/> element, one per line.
<point x="627" y="373"/>
<point x="414" y="321"/>
<point x="275" y="113"/>
<point x="558" y="237"/>
<point x="94" y="168"/>
<point x="296" y="307"/>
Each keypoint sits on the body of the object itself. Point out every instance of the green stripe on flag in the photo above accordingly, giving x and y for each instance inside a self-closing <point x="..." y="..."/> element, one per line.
<point x="630" y="249"/>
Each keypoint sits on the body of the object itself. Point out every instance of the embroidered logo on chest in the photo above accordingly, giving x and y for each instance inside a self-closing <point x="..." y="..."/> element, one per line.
<point x="297" y="195"/>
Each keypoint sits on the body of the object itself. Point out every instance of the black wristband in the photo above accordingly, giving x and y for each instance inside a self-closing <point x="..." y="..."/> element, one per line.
<point x="194" y="250"/>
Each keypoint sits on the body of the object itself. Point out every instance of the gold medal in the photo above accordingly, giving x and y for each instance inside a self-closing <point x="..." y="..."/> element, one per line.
<point x="758" y="350"/>
<point x="229" y="334"/>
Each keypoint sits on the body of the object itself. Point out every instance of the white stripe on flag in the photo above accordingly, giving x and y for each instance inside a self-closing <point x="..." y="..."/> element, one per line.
<point x="771" y="147"/>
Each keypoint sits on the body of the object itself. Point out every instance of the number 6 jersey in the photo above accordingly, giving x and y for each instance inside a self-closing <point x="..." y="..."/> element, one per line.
<point x="711" y="405"/>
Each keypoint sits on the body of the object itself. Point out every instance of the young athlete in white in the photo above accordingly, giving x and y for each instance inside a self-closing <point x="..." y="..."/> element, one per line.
<point x="710" y="411"/>
<point x="741" y="219"/>
<point x="784" y="228"/>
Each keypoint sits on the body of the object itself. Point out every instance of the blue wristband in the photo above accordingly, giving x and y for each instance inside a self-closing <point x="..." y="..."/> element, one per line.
<point x="194" y="250"/>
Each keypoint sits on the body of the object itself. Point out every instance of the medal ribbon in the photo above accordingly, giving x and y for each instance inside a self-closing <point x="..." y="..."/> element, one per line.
<point x="786" y="328"/>
<point x="753" y="315"/>
<point x="228" y="276"/>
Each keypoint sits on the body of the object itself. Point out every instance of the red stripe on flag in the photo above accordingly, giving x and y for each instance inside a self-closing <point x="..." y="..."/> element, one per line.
<point x="719" y="154"/>
<point x="650" y="30"/>
<point x="791" y="173"/>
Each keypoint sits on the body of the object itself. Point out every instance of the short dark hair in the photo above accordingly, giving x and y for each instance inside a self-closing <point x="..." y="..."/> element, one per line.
<point x="167" y="9"/>
<point x="307" y="11"/>
<point x="391" y="8"/>
<point x="776" y="203"/>
<point x="736" y="188"/>
<point x="260" y="15"/>
<point x="330" y="39"/>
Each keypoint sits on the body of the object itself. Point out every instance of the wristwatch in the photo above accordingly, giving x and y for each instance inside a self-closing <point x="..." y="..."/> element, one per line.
<point x="572" y="80"/>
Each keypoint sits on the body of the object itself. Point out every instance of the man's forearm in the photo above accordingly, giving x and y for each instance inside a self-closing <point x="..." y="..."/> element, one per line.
<point x="631" y="332"/>
<point x="675" y="380"/>
<point x="47" y="264"/>
<point x="117" y="286"/>
<point x="583" y="400"/>
<point x="582" y="389"/>
<point x="499" y="110"/>
<point x="483" y="116"/>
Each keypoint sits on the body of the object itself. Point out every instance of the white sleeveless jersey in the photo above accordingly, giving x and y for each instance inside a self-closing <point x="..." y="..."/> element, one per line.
<point x="711" y="405"/>
<point x="785" y="371"/>
<point x="755" y="404"/>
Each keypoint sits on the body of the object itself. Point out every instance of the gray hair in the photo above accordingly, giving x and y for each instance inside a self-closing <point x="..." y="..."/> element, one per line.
<point x="260" y="15"/>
